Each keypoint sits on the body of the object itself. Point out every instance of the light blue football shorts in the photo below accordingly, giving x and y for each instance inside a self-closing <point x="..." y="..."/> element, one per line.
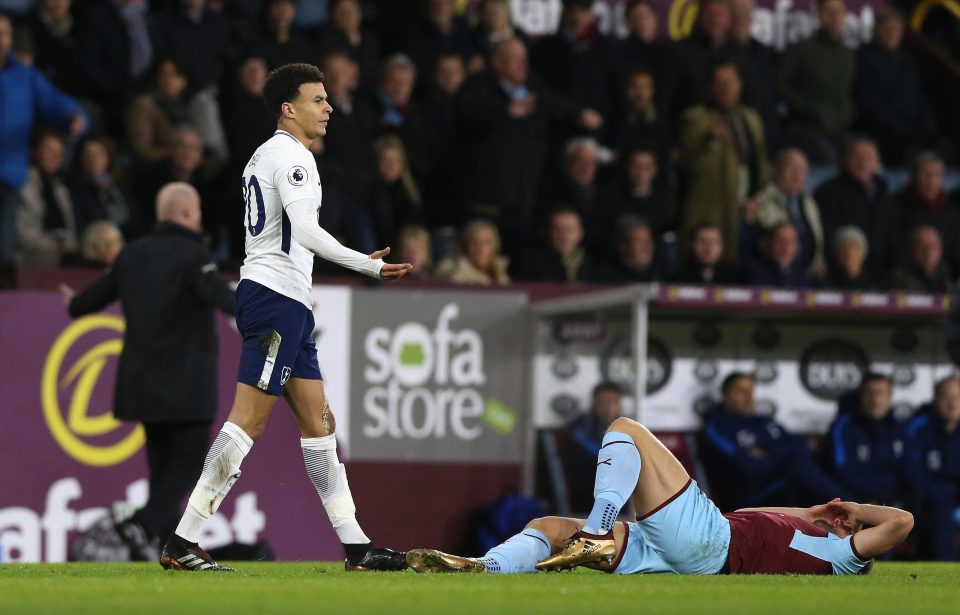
<point x="687" y="534"/>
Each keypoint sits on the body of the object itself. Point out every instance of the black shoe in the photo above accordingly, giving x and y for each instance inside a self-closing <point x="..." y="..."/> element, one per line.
<point x="141" y="547"/>
<point x="378" y="559"/>
<point x="178" y="554"/>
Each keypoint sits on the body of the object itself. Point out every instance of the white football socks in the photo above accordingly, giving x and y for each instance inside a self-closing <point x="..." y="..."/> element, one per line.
<point x="221" y="469"/>
<point x="329" y="477"/>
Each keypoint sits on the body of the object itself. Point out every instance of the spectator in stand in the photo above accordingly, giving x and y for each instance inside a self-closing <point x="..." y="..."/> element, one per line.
<point x="36" y="100"/>
<point x="564" y="258"/>
<point x="785" y="199"/>
<point x="723" y="156"/>
<point x="348" y="144"/>
<point x="687" y="75"/>
<point x="503" y="119"/>
<point x="579" y="62"/>
<point x="891" y="104"/>
<point x="439" y="106"/>
<point x="414" y="247"/>
<point x="847" y="267"/>
<point x="46" y="232"/>
<point x="863" y="447"/>
<point x="815" y="79"/>
<point x="194" y="30"/>
<point x="346" y="33"/>
<point x="924" y="202"/>
<point x="924" y="269"/>
<point x="396" y="112"/>
<point x="278" y="41"/>
<point x="704" y="264"/>
<point x="246" y="119"/>
<point x="495" y="27"/>
<point x="753" y="460"/>
<point x="584" y="439"/>
<point x="247" y="123"/>
<point x="577" y="186"/>
<point x="635" y="260"/>
<point x="186" y="164"/>
<point x="932" y="462"/>
<point x="168" y="104"/>
<point x="399" y="201"/>
<point x="478" y="260"/>
<point x="641" y="191"/>
<point x="154" y="115"/>
<point x="438" y="29"/>
<point x="642" y="126"/>
<point x="116" y="51"/>
<point x="779" y="264"/>
<point x="641" y="50"/>
<point x="762" y="59"/>
<point x="101" y="243"/>
<point x="99" y="191"/>
<point x="55" y="38"/>
<point x="858" y="196"/>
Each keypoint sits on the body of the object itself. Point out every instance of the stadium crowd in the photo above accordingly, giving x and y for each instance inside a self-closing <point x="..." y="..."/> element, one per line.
<point x="575" y="156"/>
<point x="869" y="454"/>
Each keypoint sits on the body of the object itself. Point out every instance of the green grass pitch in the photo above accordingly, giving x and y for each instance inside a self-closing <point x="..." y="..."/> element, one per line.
<point x="325" y="588"/>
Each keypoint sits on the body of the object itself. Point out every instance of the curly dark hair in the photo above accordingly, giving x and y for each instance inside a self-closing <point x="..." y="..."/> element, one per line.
<point x="283" y="84"/>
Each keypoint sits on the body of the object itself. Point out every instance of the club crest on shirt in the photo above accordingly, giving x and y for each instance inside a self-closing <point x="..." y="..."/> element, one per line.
<point x="297" y="176"/>
<point x="284" y="375"/>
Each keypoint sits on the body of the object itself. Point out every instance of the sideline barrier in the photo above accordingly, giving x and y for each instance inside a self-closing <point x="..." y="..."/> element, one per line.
<point x="428" y="387"/>
<point x="806" y="348"/>
<point x="434" y="397"/>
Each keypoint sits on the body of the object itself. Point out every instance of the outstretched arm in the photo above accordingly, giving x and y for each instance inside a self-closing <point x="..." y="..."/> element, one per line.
<point x="309" y="234"/>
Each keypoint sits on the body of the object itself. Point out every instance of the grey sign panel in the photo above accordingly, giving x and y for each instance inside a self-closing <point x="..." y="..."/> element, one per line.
<point x="438" y="376"/>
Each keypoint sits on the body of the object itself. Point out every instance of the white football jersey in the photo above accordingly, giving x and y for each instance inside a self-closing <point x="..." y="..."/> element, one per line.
<point x="281" y="171"/>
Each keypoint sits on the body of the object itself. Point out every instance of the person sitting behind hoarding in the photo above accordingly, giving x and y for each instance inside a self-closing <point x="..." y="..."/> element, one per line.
<point x="583" y="442"/>
<point x="932" y="470"/>
<point x="754" y="461"/>
<point x="863" y="448"/>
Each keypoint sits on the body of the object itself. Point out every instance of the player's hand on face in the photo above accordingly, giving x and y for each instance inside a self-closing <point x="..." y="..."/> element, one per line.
<point x="826" y="511"/>
<point x="391" y="271"/>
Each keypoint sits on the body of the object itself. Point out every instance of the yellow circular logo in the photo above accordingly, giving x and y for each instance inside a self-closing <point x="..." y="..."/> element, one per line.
<point x="680" y="19"/>
<point x="83" y="376"/>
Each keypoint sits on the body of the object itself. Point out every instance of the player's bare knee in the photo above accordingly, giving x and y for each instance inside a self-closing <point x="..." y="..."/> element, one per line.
<point x="539" y="524"/>
<point x="625" y="425"/>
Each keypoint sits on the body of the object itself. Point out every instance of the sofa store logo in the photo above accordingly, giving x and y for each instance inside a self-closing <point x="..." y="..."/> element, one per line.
<point x="832" y="367"/>
<point x="426" y="383"/>
<point x="66" y="393"/>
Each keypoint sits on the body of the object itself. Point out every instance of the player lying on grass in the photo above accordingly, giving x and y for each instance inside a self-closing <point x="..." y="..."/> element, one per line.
<point x="679" y="530"/>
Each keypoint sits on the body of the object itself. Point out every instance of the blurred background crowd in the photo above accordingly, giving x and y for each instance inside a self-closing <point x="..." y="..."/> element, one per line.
<point x="482" y="154"/>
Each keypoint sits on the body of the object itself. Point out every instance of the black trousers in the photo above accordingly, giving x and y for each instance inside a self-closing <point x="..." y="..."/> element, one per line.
<point x="175" y="454"/>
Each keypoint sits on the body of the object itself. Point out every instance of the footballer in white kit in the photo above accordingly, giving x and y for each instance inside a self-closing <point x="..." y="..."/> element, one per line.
<point x="281" y="196"/>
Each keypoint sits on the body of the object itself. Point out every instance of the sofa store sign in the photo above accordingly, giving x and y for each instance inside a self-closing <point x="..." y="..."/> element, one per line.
<point x="437" y="369"/>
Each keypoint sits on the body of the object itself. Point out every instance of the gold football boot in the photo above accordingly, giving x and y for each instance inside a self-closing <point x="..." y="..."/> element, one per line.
<point x="582" y="550"/>
<point x="430" y="560"/>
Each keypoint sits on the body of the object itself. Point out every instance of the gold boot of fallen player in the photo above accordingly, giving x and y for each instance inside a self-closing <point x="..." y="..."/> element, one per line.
<point x="431" y="560"/>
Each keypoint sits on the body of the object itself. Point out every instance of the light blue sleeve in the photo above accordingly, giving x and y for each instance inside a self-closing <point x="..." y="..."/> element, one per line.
<point x="830" y="548"/>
